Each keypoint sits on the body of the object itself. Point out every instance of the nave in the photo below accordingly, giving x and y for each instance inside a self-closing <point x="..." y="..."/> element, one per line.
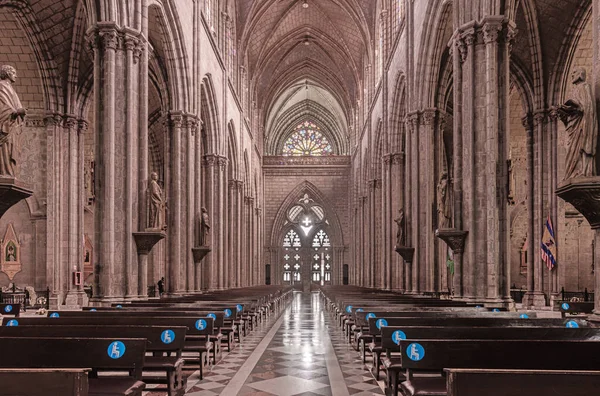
<point x="302" y="352"/>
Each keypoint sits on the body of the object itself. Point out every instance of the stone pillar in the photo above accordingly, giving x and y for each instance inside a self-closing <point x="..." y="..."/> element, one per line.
<point x="413" y="223"/>
<point x="192" y="175"/>
<point x="372" y="239"/>
<point x="427" y="192"/>
<point x="485" y="77"/>
<point x="215" y="200"/>
<point x="387" y="247"/>
<point x="239" y="204"/>
<point x="258" y="265"/>
<point x="176" y="256"/>
<point x="553" y="199"/>
<point x="397" y="202"/>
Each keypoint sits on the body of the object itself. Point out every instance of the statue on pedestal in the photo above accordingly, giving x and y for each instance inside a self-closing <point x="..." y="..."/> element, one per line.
<point x="12" y="115"/>
<point x="400" y="238"/>
<point x="444" y="208"/>
<point x="580" y="118"/>
<point x="204" y="227"/>
<point x="156" y="204"/>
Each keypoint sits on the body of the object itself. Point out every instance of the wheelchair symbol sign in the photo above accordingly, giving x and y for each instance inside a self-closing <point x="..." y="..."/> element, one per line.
<point x="495" y="310"/>
<point x="119" y="306"/>
<point x="13" y="322"/>
<point x="8" y="308"/>
<point x="93" y="310"/>
<point x="116" y="350"/>
<point x="571" y="324"/>
<point x="370" y="315"/>
<point x="55" y="315"/>
<point x="239" y="307"/>
<point x="524" y="316"/>
<point x="201" y="324"/>
<point x="397" y="336"/>
<point x="415" y="351"/>
<point x="360" y="310"/>
<point x="380" y="323"/>
<point x="212" y="315"/>
<point x="227" y="312"/>
<point x="349" y="309"/>
<point x="565" y="306"/>
<point x="167" y="336"/>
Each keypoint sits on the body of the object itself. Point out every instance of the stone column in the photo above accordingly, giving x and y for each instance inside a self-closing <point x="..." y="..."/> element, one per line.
<point x="429" y="275"/>
<point x="397" y="202"/>
<point x="412" y="224"/>
<point x="176" y="256"/>
<point x="485" y="76"/>
<point x="239" y="204"/>
<point x="214" y="190"/>
<point x="372" y="239"/>
<point x="192" y="176"/>
<point x="387" y="247"/>
<point x="259" y="266"/>
<point x="553" y="199"/>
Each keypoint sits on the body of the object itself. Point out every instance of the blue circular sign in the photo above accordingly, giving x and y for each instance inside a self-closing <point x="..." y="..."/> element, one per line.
<point x="13" y="322"/>
<point x="524" y="316"/>
<point x="370" y="315"/>
<point x="93" y="310"/>
<point x="212" y="315"/>
<point x="227" y="312"/>
<point x="360" y="310"/>
<point x="477" y="306"/>
<point x="565" y="306"/>
<point x="167" y="336"/>
<point x="397" y="336"/>
<point x="495" y="310"/>
<point x="55" y="315"/>
<point x="116" y="350"/>
<point x="415" y="352"/>
<point x="571" y="324"/>
<point x="239" y="307"/>
<point x="8" y="308"/>
<point x="380" y="323"/>
<point x="119" y="306"/>
<point x="201" y="324"/>
<point x="349" y="309"/>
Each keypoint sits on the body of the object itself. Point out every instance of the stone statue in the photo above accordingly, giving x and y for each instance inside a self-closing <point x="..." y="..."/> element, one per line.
<point x="580" y="118"/>
<point x="12" y="115"/>
<point x="204" y="227"/>
<point x="444" y="208"/>
<point x="156" y="204"/>
<point x="400" y="241"/>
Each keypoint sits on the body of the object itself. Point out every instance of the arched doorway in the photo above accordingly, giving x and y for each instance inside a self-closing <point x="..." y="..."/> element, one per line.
<point x="306" y="248"/>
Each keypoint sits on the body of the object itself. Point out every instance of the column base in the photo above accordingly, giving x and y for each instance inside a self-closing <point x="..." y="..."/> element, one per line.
<point x="534" y="299"/>
<point x="76" y="299"/>
<point x="104" y="301"/>
<point x="595" y="318"/>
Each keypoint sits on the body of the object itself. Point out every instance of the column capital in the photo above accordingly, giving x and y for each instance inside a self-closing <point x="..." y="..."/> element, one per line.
<point x="491" y="29"/>
<point x="413" y="118"/>
<point x="109" y="39"/>
<point x="539" y="116"/>
<point x="468" y="37"/>
<point x="429" y="116"/>
<point x="553" y="113"/>
<point x="214" y="160"/>
<point x="176" y="119"/>
<point x="70" y="122"/>
<point x="130" y="42"/>
<point x="527" y="122"/>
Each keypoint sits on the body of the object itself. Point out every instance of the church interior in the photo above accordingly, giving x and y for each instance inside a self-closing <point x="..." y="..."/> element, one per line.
<point x="299" y="197"/>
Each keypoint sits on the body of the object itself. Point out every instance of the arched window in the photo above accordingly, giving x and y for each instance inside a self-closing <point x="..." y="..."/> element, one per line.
<point x="321" y="259"/>
<point x="307" y="139"/>
<point x="291" y="265"/>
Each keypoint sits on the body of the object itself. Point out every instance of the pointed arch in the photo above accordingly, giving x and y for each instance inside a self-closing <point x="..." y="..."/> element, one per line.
<point x="397" y="115"/>
<point x="334" y="228"/>
<point x="209" y="114"/>
<point x="232" y="152"/>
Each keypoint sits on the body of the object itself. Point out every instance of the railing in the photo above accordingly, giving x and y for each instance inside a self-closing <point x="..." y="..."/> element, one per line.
<point x="18" y="296"/>
<point x="576" y="296"/>
<point x="517" y="295"/>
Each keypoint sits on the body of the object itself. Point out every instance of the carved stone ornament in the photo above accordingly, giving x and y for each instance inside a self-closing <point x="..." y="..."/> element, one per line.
<point x="584" y="194"/>
<point x="199" y="253"/>
<point x="11" y="192"/>
<point x="10" y="253"/>
<point x="145" y="241"/>
<point x="407" y="253"/>
<point x="454" y="238"/>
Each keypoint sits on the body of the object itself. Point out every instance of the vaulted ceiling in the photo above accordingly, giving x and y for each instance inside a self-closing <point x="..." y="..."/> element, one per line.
<point x="289" y="42"/>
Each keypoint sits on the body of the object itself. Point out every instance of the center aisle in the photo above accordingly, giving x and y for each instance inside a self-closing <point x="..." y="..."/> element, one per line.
<point x="296" y="357"/>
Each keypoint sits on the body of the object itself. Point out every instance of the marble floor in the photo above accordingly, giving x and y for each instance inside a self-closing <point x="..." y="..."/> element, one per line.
<point x="301" y="352"/>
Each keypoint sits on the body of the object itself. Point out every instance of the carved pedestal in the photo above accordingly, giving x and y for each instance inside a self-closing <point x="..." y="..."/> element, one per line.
<point x="11" y="192"/>
<point x="584" y="194"/>
<point x="407" y="254"/>
<point x="455" y="239"/>
<point x="145" y="241"/>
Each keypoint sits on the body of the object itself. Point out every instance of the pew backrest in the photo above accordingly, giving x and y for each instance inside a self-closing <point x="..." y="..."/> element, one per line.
<point x="218" y="317"/>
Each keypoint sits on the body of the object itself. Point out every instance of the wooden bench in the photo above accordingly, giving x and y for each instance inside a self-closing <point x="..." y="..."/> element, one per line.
<point x="392" y="335"/>
<point x="218" y="318"/>
<point x="100" y="354"/>
<point x="197" y="341"/>
<point x="10" y="309"/>
<point x="477" y="382"/>
<point x="433" y="356"/>
<point x="566" y="307"/>
<point x="43" y="382"/>
<point x="162" y="340"/>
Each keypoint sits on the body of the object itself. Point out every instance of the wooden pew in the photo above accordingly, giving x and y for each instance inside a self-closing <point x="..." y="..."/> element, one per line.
<point x="574" y="307"/>
<point x="392" y="335"/>
<point x="218" y="317"/>
<point x="100" y="354"/>
<point x="161" y="340"/>
<point x="496" y="382"/>
<point x="43" y="382"/>
<point x="10" y="310"/>
<point x="427" y="356"/>
<point x="197" y="340"/>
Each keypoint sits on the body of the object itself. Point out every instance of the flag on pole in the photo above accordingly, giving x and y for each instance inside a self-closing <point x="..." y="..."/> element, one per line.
<point x="549" y="245"/>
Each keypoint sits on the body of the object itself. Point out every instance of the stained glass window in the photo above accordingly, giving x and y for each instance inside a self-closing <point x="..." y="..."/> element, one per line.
<point x="307" y="139"/>
<point x="292" y="239"/>
<point x="321" y="240"/>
